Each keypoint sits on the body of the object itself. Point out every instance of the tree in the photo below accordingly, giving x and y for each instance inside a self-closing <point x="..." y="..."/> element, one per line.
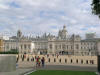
<point x="96" y="7"/>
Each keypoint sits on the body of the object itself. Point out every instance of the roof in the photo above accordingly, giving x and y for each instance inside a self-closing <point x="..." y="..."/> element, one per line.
<point x="91" y="40"/>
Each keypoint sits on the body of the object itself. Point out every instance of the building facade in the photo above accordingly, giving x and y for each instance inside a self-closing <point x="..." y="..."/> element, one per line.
<point x="1" y="45"/>
<point x="20" y="43"/>
<point x="49" y="44"/>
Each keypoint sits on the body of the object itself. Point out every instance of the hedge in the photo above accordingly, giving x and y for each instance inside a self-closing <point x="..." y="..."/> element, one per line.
<point x="9" y="52"/>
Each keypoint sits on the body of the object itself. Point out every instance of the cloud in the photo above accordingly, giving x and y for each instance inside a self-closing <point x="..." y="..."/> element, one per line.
<point x="3" y="6"/>
<point x="39" y="16"/>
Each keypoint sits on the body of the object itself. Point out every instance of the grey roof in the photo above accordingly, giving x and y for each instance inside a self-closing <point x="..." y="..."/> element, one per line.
<point x="91" y="40"/>
<point x="9" y="40"/>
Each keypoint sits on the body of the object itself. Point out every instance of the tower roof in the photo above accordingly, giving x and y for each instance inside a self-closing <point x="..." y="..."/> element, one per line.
<point x="64" y="26"/>
<point x="19" y="33"/>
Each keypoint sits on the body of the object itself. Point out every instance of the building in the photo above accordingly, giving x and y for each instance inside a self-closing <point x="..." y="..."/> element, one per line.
<point x="49" y="44"/>
<point x="20" y="43"/>
<point x="90" y="36"/>
<point x="1" y="45"/>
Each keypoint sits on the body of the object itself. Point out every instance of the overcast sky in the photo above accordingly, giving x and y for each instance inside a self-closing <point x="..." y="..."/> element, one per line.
<point x="39" y="16"/>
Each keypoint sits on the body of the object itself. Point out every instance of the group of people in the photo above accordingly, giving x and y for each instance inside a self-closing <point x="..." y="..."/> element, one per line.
<point x="40" y="61"/>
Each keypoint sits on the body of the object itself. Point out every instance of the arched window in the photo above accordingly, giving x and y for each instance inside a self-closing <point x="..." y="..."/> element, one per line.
<point x="86" y="61"/>
<point x="71" y="61"/>
<point x="65" y="60"/>
<point x="54" y="59"/>
<point x="77" y="61"/>
<point x="91" y="62"/>
<point x="49" y="60"/>
<point x="81" y="61"/>
<point x="60" y="60"/>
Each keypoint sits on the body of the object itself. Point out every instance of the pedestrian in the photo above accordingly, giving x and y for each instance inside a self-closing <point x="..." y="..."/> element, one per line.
<point x="47" y="55"/>
<point x="33" y="58"/>
<point x="28" y="59"/>
<point x="23" y="58"/>
<point x="24" y="55"/>
<point x="37" y="60"/>
<point x="57" y="55"/>
<point x="17" y="59"/>
<point x="43" y="61"/>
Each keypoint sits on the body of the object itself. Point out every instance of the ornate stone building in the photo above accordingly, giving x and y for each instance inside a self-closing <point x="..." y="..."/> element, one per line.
<point x="20" y="43"/>
<point x="50" y="44"/>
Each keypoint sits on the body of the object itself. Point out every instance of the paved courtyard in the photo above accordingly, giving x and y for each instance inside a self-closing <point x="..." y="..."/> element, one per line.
<point x="24" y="67"/>
<point x="68" y="67"/>
<point x="19" y="71"/>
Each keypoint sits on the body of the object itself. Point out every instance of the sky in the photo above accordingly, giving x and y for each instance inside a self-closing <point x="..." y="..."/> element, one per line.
<point x="35" y="17"/>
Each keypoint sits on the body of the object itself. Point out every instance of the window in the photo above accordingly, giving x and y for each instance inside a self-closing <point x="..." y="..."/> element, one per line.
<point x="49" y="60"/>
<point x="60" y="60"/>
<point x="77" y="61"/>
<point x="81" y="47"/>
<point x="55" y="46"/>
<point x="71" y="47"/>
<point x="7" y="46"/>
<point x="29" y="47"/>
<point x="91" y="62"/>
<point x="86" y="61"/>
<point x="50" y="46"/>
<point x="71" y="60"/>
<point x="63" y="46"/>
<point x="24" y="46"/>
<point x="65" y="60"/>
<point x="77" y="46"/>
<point x="21" y="46"/>
<point x="67" y="46"/>
<point x="54" y="59"/>
<point x="60" y="46"/>
<point x="81" y="61"/>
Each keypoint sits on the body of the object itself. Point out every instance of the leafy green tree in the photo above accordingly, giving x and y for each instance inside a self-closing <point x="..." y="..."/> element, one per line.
<point x="96" y="7"/>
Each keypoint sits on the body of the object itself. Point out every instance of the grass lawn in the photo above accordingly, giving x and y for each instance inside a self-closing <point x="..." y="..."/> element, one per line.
<point x="61" y="72"/>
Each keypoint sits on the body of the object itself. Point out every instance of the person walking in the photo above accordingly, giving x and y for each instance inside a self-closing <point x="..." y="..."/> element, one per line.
<point x="37" y="60"/>
<point x="23" y="58"/>
<point x="28" y="59"/>
<point x="43" y="61"/>
<point x="17" y="59"/>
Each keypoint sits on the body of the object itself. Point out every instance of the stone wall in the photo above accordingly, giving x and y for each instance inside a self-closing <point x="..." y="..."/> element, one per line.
<point x="7" y="63"/>
<point x="73" y="60"/>
<point x="67" y="60"/>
